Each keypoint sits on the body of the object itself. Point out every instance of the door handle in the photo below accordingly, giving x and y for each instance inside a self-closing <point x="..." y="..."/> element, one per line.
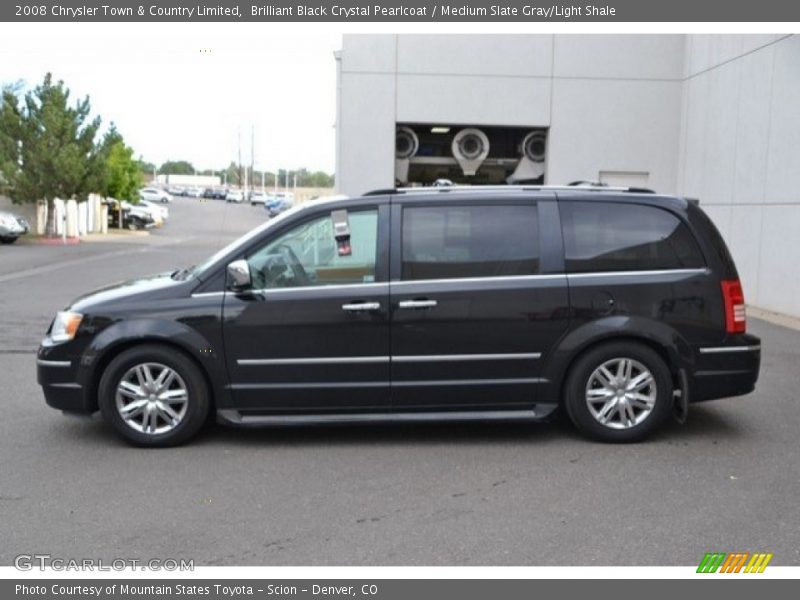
<point x="361" y="306"/>
<point x="417" y="303"/>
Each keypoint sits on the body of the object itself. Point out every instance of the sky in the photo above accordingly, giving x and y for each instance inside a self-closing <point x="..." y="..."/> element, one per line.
<point x="186" y="91"/>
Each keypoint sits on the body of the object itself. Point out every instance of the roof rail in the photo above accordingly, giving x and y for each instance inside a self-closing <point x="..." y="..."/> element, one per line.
<point x="482" y="188"/>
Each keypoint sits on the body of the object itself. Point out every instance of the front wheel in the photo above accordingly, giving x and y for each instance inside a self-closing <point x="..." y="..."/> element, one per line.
<point x="154" y="396"/>
<point x="619" y="392"/>
<point x="7" y="240"/>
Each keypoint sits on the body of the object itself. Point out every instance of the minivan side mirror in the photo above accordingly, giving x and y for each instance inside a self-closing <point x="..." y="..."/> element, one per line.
<point x="239" y="275"/>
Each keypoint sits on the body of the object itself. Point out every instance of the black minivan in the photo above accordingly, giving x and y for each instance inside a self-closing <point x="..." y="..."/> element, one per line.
<point x="452" y="303"/>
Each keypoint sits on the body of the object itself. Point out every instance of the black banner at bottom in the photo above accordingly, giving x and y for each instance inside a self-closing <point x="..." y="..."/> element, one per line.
<point x="732" y="587"/>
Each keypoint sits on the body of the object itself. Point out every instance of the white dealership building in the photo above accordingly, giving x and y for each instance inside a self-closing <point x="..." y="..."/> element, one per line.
<point x="715" y="117"/>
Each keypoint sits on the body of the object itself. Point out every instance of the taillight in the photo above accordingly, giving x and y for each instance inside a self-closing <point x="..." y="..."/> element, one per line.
<point x="733" y="297"/>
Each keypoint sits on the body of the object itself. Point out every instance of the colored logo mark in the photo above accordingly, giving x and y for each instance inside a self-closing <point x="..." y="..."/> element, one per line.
<point x="735" y="562"/>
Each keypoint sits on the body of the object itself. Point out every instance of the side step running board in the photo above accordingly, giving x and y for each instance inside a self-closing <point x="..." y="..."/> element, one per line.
<point x="235" y="417"/>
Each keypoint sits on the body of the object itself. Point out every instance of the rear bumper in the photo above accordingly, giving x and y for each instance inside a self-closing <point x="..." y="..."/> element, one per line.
<point x="727" y="370"/>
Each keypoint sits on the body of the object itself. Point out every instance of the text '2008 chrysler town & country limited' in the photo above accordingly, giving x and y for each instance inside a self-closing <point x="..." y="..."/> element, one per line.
<point x="622" y="307"/>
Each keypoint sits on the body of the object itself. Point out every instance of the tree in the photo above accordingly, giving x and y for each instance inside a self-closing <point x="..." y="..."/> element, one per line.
<point x="231" y="174"/>
<point x="122" y="176"/>
<point x="53" y="154"/>
<point x="177" y="167"/>
<point x="147" y="168"/>
<point x="10" y="123"/>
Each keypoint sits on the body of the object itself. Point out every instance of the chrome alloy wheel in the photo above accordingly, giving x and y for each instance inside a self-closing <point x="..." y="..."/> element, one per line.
<point x="152" y="398"/>
<point x="621" y="393"/>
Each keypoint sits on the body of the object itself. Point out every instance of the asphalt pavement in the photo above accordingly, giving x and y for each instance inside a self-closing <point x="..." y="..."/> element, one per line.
<point x="439" y="494"/>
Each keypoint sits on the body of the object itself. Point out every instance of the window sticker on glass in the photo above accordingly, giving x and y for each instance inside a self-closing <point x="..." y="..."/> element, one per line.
<point x="341" y="231"/>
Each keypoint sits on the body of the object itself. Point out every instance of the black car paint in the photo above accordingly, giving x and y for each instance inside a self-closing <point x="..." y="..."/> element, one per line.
<point x="556" y="314"/>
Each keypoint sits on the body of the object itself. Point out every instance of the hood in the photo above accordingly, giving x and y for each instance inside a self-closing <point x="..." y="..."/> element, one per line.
<point x="145" y="288"/>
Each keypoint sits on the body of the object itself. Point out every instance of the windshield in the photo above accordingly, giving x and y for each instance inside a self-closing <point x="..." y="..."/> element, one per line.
<point x="201" y="269"/>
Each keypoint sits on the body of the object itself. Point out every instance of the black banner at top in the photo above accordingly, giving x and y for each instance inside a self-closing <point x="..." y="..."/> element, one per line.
<point x="414" y="11"/>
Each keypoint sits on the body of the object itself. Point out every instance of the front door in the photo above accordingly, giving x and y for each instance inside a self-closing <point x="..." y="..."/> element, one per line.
<point x="313" y="333"/>
<point x="473" y="312"/>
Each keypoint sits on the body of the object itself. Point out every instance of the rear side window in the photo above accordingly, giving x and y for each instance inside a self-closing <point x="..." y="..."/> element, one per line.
<point x="604" y="236"/>
<point x="445" y="242"/>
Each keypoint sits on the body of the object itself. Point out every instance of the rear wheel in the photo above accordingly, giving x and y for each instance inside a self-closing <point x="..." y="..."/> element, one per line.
<point x="154" y="396"/>
<point x="7" y="240"/>
<point x="619" y="392"/>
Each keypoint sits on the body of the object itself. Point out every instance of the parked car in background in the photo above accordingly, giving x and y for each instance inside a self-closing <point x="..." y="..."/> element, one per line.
<point x="159" y="213"/>
<point x="209" y="193"/>
<point x="154" y="194"/>
<point x="140" y="217"/>
<point x="133" y="217"/>
<point x="234" y="196"/>
<point x="11" y="227"/>
<point x="175" y="190"/>
<point x="258" y="198"/>
<point x="194" y="192"/>
<point x="277" y="203"/>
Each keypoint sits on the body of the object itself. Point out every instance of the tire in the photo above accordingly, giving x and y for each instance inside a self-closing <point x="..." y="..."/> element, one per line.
<point x="150" y="424"/>
<point x="7" y="240"/>
<point x="628" y="418"/>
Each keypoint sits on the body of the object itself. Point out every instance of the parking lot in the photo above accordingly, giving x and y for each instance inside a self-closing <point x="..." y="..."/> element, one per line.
<point x="438" y="494"/>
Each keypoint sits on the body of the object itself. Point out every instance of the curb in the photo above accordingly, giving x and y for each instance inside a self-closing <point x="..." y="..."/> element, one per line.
<point x="57" y="241"/>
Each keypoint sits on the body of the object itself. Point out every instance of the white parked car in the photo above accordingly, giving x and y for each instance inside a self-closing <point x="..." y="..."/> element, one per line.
<point x="159" y="213"/>
<point x="153" y="194"/>
<point x="194" y="192"/>
<point x="258" y="198"/>
<point x="138" y="216"/>
<point x="235" y="196"/>
<point x="11" y="227"/>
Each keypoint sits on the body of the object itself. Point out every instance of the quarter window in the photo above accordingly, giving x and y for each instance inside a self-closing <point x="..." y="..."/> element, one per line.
<point x="445" y="242"/>
<point x="308" y="255"/>
<point x="605" y="236"/>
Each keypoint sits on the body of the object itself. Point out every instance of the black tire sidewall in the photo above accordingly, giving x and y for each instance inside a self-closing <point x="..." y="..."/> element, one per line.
<point x="199" y="404"/>
<point x="575" y="395"/>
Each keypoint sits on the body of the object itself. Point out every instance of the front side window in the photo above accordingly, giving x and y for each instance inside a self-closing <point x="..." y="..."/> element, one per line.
<point x="308" y="255"/>
<point x="604" y="236"/>
<point x="445" y="242"/>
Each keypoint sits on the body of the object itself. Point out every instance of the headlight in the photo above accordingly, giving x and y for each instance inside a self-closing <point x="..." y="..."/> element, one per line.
<point x="65" y="326"/>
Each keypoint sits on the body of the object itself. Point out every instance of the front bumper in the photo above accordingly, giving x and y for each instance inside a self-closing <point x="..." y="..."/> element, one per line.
<point x="61" y="379"/>
<point x="13" y="231"/>
<point x="726" y="370"/>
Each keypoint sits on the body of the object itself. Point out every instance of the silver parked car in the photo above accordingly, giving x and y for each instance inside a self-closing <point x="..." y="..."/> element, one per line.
<point x="153" y="194"/>
<point x="11" y="227"/>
